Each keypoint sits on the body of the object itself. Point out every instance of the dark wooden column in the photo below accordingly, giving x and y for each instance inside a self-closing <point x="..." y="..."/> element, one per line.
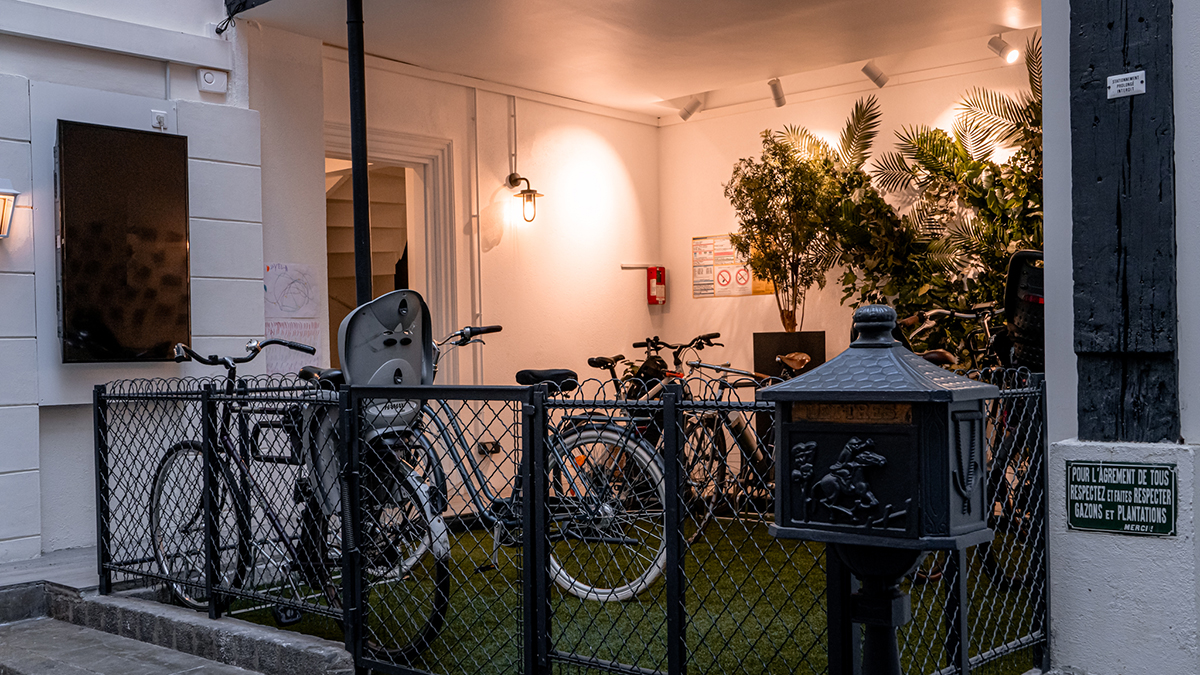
<point x="1123" y="178"/>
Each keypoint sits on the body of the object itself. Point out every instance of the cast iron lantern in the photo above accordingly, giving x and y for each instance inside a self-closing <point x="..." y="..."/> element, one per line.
<point x="880" y="453"/>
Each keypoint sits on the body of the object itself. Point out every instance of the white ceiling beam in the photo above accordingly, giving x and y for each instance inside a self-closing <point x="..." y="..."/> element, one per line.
<point x="51" y="24"/>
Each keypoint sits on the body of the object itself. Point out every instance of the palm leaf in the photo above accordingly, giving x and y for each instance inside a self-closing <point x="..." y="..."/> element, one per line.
<point x="861" y="128"/>
<point x="944" y="256"/>
<point x="1033" y="63"/>
<point x="932" y="151"/>
<point x="994" y="112"/>
<point x="973" y="138"/>
<point x="892" y="173"/>
<point x="804" y="142"/>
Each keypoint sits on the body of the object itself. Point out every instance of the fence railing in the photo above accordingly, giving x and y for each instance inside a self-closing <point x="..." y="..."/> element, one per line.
<point x="515" y="529"/>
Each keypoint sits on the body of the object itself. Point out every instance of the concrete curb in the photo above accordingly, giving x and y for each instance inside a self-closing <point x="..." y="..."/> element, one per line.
<point x="231" y="641"/>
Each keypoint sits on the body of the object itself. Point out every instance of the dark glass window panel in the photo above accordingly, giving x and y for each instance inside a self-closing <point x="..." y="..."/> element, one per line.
<point x="123" y="217"/>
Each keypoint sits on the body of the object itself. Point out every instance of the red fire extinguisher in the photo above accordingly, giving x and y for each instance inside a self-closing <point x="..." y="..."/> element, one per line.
<point x="656" y="285"/>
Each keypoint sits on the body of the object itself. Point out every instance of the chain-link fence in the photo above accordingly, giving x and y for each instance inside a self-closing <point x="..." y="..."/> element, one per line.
<point x="516" y="529"/>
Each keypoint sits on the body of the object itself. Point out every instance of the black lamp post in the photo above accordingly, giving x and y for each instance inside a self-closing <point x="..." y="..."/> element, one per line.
<point x="880" y="454"/>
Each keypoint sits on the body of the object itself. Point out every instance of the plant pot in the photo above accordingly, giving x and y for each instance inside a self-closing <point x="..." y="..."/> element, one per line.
<point x="769" y="345"/>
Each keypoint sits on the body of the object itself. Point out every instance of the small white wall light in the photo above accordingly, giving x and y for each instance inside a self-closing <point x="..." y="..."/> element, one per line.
<point x="8" y="199"/>
<point x="693" y="106"/>
<point x="1009" y="53"/>
<point x="876" y="75"/>
<point x="528" y="196"/>
<point x="777" y="92"/>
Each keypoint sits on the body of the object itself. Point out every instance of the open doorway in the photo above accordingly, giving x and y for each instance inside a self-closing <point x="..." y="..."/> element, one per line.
<point x="394" y="215"/>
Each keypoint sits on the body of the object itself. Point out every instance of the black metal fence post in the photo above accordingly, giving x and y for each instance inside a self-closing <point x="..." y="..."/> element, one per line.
<point x="958" y="601"/>
<point x="103" y="539"/>
<point x="676" y="611"/>
<point x="352" y="610"/>
<point x="212" y="551"/>
<point x="536" y="552"/>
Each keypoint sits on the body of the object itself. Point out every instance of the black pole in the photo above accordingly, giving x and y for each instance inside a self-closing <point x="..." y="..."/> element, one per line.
<point x="358" y="151"/>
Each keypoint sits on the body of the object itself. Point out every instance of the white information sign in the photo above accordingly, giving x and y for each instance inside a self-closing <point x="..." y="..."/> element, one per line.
<point x="717" y="271"/>
<point x="1128" y="84"/>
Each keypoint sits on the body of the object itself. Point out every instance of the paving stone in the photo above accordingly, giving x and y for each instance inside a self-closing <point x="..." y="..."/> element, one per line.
<point x="37" y="647"/>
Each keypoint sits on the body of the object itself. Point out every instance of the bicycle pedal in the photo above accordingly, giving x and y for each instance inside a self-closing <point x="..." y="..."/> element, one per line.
<point x="488" y="567"/>
<point x="286" y="616"/>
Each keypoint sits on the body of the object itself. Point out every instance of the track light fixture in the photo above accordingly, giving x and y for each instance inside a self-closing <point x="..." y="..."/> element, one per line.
<point x="693" y="106"/>
<point x="1009" y="53"/>
<point x="777" y="92"/>
<point x="528" y="196"/>
<point x="876" y="75"/>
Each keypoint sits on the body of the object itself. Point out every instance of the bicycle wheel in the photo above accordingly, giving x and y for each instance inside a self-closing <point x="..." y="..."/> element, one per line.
<point x="608" y="526"/>
<point x="704" y="471"/>
<point x="405" y="556"/>
<point x="177" y="532"/>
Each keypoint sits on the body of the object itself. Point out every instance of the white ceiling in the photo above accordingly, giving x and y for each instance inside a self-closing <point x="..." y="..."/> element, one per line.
<point x="635" y="54"/>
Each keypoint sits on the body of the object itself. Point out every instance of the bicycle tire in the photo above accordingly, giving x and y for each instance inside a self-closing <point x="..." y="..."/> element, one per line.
<point x="608" y="523"/>
<point x="177" y="532"/>
<point x="405" y="562"/>
<point x="704" y="473"/>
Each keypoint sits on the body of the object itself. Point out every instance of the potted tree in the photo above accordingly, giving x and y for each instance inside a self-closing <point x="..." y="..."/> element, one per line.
<point x="787" y="205"/>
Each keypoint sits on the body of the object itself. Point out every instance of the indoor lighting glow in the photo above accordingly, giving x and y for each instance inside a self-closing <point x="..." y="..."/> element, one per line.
<point x="692" y="107"/>
<point x="777" y="92"/>
<point x="1009" y="53"/>
<point x="877" y="76"/>
<point x="8" y="199"/>
<point x="528" y="196"/>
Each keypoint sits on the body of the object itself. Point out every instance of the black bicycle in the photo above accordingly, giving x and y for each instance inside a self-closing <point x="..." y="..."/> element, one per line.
<point x="247" y="551"/>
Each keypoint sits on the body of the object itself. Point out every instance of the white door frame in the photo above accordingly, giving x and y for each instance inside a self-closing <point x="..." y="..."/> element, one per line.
<point x="434" y="157"/>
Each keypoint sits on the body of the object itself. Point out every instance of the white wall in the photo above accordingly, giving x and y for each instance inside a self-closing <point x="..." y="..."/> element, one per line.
<point x="555" y="284"/>
<point x="46" y="455"/>
<point x="697" y="159"/>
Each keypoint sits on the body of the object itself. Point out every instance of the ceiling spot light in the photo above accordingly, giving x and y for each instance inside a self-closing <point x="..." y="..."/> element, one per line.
<point x="693" y="106"/>
<point x="875" y="74"/>
<point x="8" y="199"/>
<point x="777" y="92"/>
<point x="528" y="196"/>
<point x="1009" y="53"/>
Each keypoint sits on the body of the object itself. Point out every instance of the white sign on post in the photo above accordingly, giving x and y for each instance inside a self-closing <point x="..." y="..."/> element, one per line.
<point x="1128" y="84"/>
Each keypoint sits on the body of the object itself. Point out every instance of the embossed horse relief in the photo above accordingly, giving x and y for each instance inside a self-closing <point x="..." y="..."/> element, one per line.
<point x="845" y="488"/>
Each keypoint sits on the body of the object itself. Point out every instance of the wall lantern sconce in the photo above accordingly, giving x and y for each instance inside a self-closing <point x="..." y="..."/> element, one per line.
<point x="8" y="199"/>
<point x="1009" y="53"/>
<point x="528" y="196"/>
<point x="876" y="75"/>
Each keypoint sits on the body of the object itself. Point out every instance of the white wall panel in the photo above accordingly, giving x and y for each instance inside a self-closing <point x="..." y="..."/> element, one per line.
<point x="17" y="318"/>
<point x="19" y="440"/>
<point x="67" y="477"/>
<point x="19" y="363"/>
<point x="226" y="249"/>
<point x="22" y="548"/>
<point x="224" y="191"/>
<point x="14" y="107"/>
<point x="220" y="133"/>
<point x="20" y="502"/>
<point x="15" y="165"/>
<point x="227" y="307"/>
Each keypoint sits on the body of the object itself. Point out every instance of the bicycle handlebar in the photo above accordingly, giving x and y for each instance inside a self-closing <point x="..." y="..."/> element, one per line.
<point x="253" y="347"/>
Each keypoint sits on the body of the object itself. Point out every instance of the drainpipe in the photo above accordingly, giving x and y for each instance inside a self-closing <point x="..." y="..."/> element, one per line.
<point x="358" y="151"/>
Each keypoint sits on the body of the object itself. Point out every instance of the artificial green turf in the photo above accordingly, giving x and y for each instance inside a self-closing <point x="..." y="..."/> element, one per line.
<point x="754" y="605"/>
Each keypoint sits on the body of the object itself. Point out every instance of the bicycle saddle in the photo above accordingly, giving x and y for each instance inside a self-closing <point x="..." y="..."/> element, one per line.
<point x="794" y="360"/>
<point x="564" y="380"/>
<point x="605" y="361"/>
<point x="330" y="376"/>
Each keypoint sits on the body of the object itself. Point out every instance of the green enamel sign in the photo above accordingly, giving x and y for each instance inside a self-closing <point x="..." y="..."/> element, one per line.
<point x="1122" y="497"/>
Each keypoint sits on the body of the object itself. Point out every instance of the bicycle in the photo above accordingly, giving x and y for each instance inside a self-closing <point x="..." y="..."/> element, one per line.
<point x="177" y="512"/>
<point x="606" y="517"/>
